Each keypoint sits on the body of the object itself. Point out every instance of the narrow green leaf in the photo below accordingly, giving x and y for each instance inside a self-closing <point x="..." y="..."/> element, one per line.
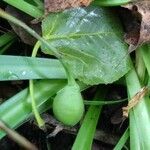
<point x="86" y="132"/>
<point x="22" y="68"/>
<point x="5" y="47"/>
<point x="145" y="51"/>
<point x="111" y="2"/>
<point x="139" y="115"/>
<point x="122" y="140"/>
<point x="85" y="135"/>
<point x="5" y="38"/>
<point x="18" y="108"/>
<point x="140" y="65"/>
<point x="25" y="7"/>
<point x="90" y="41"/>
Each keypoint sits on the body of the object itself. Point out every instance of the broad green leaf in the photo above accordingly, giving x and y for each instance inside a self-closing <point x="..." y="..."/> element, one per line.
<point x="90" y="41"/>
<point x="23" y="68"/>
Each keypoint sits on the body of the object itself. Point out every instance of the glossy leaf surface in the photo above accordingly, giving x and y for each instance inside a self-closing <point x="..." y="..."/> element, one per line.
<point x="23" y="68"/>
<point x="90" y="41"/>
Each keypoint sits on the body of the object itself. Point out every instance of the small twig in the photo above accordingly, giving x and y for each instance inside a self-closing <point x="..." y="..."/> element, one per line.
<point x="134" y="101"/>
<point x="52" y="121"/>
<point x="99" y="134"/>
<point x="22" y="141"/>
<point x="57" y="129"/>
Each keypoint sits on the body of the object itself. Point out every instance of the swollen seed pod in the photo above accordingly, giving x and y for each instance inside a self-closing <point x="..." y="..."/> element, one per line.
<point x="68" y="106"/>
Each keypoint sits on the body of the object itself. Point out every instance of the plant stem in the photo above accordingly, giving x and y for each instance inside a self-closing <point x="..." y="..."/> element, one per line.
<point x="22" y="141"/>
<point x="5" y="15"/>
<point x="16" y="21"/>
<point x="17" y="110"/>
<point x="71" y="80"/>
<point x="38" y="118"/>
<point x="35" y="49"/>
<point x="103" y="102"/>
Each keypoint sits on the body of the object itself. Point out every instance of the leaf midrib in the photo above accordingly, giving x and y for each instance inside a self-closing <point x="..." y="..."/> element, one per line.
<point x="77" y="35"/>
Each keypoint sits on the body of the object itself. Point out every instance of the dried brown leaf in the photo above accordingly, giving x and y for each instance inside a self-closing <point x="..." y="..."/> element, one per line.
<point x="60" y="5"/>
<point x="141" y="11"/>
<point x="134" y="101"/>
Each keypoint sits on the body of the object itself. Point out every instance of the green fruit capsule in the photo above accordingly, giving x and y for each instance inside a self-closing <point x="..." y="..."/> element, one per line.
<point x="68" y="106"/>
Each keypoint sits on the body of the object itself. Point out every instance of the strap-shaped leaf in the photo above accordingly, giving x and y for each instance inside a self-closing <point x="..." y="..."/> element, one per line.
<point x="24" y="68"/>
<point x="111" y="2"/>
<point x="90" y="40"/>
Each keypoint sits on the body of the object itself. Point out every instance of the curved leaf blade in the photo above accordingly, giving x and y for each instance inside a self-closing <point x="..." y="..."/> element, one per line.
<point x="17" y="109"/>
<point x="90" y="40"/>
<point x="23" y="68"/>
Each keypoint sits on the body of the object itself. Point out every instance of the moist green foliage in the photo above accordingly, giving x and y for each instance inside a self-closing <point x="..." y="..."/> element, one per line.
<point x="68" y="105"/>
<point x="90" y="41"/>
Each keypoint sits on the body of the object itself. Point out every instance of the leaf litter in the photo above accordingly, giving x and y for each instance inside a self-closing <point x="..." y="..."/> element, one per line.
<point x="134" y="101"/>
<point x="60" y="5"/>
<point x="140" y="33"/>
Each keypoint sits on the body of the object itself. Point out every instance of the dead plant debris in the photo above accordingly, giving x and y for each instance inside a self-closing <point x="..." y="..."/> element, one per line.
<point x="141" y="11"/>
<point x="60" y="5"/>
<point x="134" y="101"/>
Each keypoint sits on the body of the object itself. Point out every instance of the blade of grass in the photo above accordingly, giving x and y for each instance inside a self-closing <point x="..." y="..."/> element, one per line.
<point x="140" y="66"/>
<point x="111" y="2"/>
<point x="39" y="3"/>
<point x="139" y="115"/>
<point x="53" y="49"/>
<point x="86" y="132"/>
<point x="4" y="48"/>
<point x="145" y="52"/>
<point x="22" y="68"/>
<point x="16" y="21"/>
<point x="6" y="38"/>
<point x="26" y="7"/>
<point x="122" y="140"/>
<point x="18" y="108"/>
